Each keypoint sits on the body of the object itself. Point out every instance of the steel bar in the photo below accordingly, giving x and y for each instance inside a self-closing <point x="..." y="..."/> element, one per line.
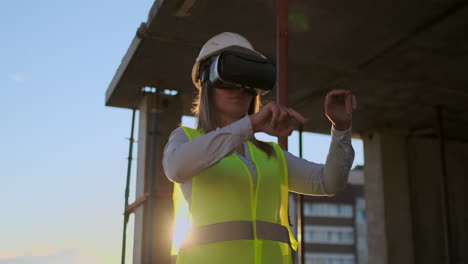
<point x="282" y="60"/>
<point x="127" y="187"/>
<point x="444" y="188"/>
<point x="300" y="215"/>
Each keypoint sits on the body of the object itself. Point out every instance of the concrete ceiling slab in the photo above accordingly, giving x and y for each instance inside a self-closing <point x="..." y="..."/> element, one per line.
<point x="401" y="58"/>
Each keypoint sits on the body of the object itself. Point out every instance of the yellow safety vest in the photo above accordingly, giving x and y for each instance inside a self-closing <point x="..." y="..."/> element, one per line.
<point x="232" y="223"/>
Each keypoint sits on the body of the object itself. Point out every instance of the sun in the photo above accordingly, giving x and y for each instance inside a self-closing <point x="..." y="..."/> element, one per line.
<point x="182" y="220"/>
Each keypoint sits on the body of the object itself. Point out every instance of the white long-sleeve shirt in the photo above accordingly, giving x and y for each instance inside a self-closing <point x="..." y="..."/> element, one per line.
<point x="184" y="158"/>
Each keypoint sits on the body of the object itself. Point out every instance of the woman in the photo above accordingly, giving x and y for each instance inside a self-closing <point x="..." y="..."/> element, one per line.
<point x="237" y="186"/>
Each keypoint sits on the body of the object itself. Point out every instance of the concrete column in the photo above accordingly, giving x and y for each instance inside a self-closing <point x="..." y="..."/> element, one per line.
<point x="426" y="176"/>
<point x="142" y="165"/>
<point x="389" y="223"/>
<point x="155" y="249"/>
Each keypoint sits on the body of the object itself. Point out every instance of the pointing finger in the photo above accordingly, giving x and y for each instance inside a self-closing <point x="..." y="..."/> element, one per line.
<point x="301" y="119"/>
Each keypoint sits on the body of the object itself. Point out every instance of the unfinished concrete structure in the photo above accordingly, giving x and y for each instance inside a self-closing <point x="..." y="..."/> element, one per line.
<point x="406" y="61"/>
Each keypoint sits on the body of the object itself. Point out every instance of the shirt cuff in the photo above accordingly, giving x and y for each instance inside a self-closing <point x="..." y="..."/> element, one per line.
<point x="340" y="134"/>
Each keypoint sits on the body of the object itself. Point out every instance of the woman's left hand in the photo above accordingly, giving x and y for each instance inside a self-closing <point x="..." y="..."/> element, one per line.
<point x="339" y="106"/>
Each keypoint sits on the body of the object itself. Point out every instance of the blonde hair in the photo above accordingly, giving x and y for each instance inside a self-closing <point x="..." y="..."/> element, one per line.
<point x="204" y="110"/>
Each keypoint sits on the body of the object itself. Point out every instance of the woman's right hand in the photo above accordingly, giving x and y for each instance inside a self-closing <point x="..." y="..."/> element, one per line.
<point x="276" y="120"/>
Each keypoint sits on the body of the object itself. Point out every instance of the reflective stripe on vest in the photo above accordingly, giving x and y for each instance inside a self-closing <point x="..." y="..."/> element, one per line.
<point x="235" y="230"/>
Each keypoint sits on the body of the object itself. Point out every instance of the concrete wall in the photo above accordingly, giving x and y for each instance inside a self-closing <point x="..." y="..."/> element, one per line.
<point x="403" y="195"/>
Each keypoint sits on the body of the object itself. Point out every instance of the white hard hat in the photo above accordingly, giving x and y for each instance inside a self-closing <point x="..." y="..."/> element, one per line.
<point x="219" y="43"/>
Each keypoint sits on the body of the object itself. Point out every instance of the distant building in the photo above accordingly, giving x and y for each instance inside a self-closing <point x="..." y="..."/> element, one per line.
<point x="335" y="227"/>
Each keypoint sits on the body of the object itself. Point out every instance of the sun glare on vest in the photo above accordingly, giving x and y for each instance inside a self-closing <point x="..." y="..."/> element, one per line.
<point x="182" y="220"/>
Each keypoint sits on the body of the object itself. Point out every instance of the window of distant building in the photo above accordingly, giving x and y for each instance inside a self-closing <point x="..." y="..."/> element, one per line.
<point x="342" y="235"/>
<point x="328" y="258"/>
<point x="328" y="210"/>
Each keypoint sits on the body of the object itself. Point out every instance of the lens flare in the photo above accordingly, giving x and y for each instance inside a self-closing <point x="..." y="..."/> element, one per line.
<point x="182" y="220"/>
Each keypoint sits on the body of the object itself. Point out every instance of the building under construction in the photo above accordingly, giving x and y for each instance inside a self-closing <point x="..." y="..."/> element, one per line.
<point x="404" y="60"/>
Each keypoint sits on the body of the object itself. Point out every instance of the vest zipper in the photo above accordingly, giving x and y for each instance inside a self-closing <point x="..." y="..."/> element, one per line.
<point x="254" y="199"/>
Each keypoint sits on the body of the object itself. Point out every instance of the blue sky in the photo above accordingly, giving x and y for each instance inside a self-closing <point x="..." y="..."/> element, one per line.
<point x="63" y="159"/>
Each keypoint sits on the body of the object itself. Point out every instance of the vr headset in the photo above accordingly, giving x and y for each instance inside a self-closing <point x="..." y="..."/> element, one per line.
<point x="234" y="70"/>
